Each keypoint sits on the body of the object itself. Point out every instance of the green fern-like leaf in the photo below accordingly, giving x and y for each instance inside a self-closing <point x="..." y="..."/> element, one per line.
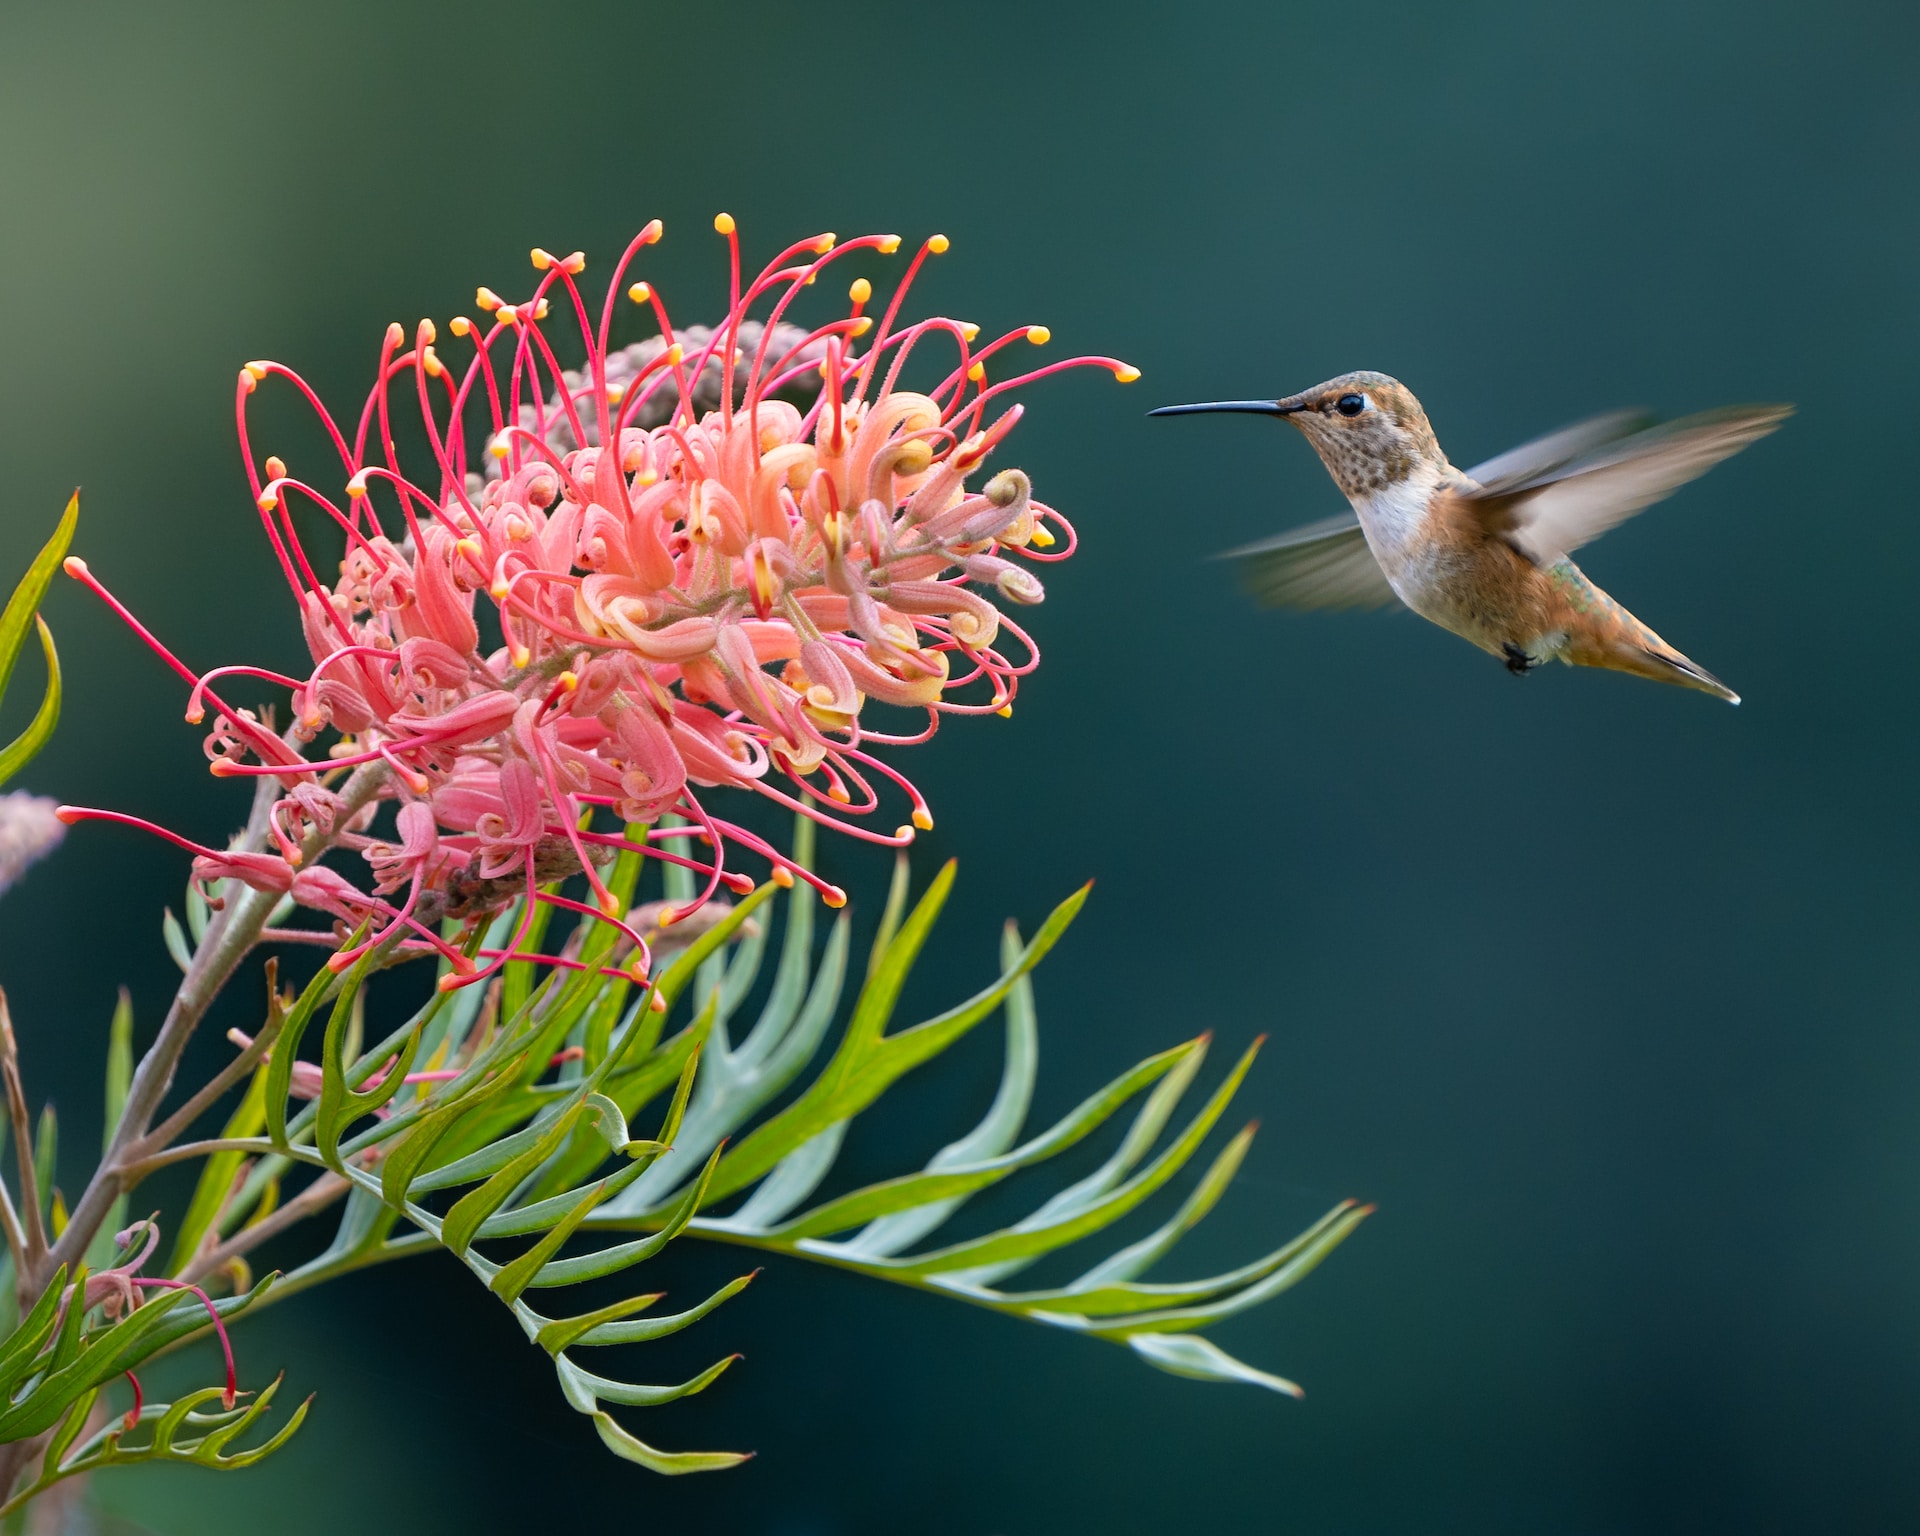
<point x="538" y="1180"/>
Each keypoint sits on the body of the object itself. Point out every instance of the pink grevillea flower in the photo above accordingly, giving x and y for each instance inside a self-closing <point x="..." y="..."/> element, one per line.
<point x="695" y="583"/>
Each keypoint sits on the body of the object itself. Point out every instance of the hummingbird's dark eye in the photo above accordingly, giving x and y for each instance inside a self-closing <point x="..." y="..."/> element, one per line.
<point x="1350" y="405"/>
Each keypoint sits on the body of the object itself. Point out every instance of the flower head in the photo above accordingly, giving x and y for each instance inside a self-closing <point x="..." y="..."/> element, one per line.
<point x="697" y="562"/>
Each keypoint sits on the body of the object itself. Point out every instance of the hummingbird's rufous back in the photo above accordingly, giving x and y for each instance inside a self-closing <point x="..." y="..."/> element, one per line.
<point x="1484" y="552"/>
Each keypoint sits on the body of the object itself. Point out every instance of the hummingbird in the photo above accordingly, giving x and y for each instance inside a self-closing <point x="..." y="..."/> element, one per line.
<point x="1485" y="552"/>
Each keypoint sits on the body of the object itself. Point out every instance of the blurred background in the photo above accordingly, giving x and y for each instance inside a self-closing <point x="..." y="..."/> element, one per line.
<point x="1603" y="991"/>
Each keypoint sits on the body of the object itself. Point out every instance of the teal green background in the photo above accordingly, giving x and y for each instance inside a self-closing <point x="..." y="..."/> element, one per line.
<point x="1603" y="991"/>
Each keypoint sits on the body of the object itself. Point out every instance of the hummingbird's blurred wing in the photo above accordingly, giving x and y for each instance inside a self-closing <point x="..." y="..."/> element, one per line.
<point x="1322" y="565"/>
<point x="1532" y="460"/>
<point x="1556" y="512"/>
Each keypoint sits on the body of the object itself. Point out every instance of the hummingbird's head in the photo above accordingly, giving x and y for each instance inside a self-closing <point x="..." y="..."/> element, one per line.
<point x="1368" y="429"/>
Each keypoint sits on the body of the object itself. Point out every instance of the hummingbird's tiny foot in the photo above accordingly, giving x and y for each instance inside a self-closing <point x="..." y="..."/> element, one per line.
<point x="1519" y="663"/>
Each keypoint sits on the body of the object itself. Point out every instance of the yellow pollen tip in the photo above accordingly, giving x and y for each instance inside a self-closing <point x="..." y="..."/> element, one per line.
<point x="567" y="681"/>
<point x="519" y="655"/>
<point x="782" y="877"/>
<point x="426" y="334"/>
<point x="575" y="264"/>
<point x="1126" y="373"/>
<point x="923" y="818"/>
<point x="395" y="333"/>
<point x="809" y="280"/>
<point x="612" y="905"/>
<point x="723" y="223"/>
<point x="195" y="716"/>
<point x="861" y="291"/>
<point x="487" y="299"/>
<point x="861" y="326"/>
<point x="498" y="592"/>
<point x="74" y="566"/>
<point x="824" y="243"/>
<point x="667" y="918"/>
<point x="1005" y="711"/>
<point x="652" y="233"/>
<point x="1039" y="335"/>
<point x="835" y="792"/>
<point x="639" y="293"/>
<point x="616" y="393"/>
<point x="888" y="245"/>
<point x="509" y="313"/>
<point x="938" y="244"/>
<point x="833" y="896"/>
<point x="471" y="548"/>
<point x="447" y="983"/>
<point x="357" y="486"/>
<point x="541" y="259"/>
<point x="431" y="363"/>
<point x="220" y="768"/>
<point x="276" y="467"/>
<point x="248" y="382"/>
<point x="977" y="372"/>
<point x="1044" y="539"/>
<point x="676" y="355"/>
<point x="460" y="325"/>
<point x="256" y="371"/>
<point x="969" y="330"/>
<point x="268" y="501"/>
<point x="499" y="448"/>
<point x="540" y="310"/>
<point x="904" y="833"/>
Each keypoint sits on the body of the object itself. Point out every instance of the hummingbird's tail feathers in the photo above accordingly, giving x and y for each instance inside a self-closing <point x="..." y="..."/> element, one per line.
<point x="1670" y="666"/>
<point x="1321" y="565"/>
<point x="1647" y="655"/>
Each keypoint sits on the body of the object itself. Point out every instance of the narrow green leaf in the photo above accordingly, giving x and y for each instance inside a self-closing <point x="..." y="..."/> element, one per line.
<point x="897" y="892"/>
<point x="1137" y="1257"/>
<point x="407" y="1156"/>
<point x="583" y="1389"/>
<point x="913" y="1190"/>
<point x="22" y="1346"/>
<point x="339" y="1106"/>
<point x="1187" y="1354"/>
<point x="119" y="1065"/>
<point x="607" y="1261"/>
<point x="794" y="1177"/>
<point x="558" y="1333"/>
<point x="541" y="1214"/>
<point x="901" y="1229"/>
<point x="608" y="1121"/>
<point x="68" y="1432"/>
<point x="22" y="606"/>
<point x="649" y="1329"/>
<point x="1326" y="1235"/>
<point x="1024" y="1242"/>
<point x="474" y="1207"/>
<point x="666" y="1463"/>
<point x="286" y="1047"/>
<point x="865" y="1065"/>
<point x="513" y="1278"/>
<point x="176" y="939"/>
<point x="26" y="746"/>
<point x="46" y="1154"/>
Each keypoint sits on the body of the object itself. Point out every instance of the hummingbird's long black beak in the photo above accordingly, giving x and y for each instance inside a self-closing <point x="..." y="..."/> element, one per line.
<point x="1257" y="407"/>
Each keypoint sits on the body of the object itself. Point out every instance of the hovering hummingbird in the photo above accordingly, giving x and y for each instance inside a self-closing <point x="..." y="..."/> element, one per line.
<point x="1484" y="552"/>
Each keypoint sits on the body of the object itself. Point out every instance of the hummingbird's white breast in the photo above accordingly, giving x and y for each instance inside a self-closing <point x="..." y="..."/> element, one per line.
<point x="1396" y="519"/>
